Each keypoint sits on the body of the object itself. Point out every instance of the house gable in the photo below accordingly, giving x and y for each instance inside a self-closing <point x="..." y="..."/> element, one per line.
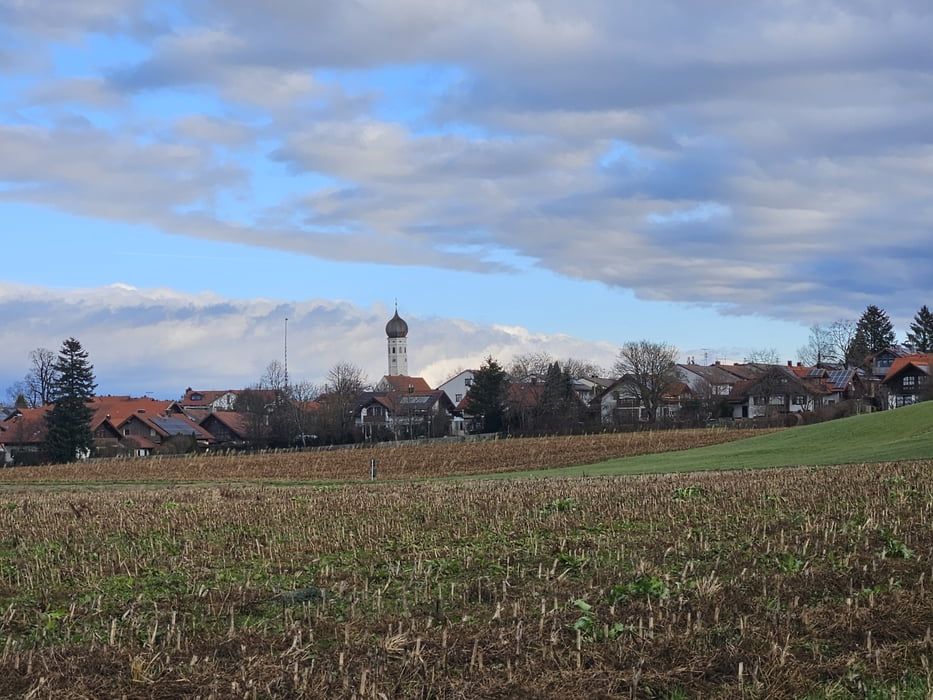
<point x="907" y="378"/>
<point x="227" y="427"/>
<point x="399" y="382"/>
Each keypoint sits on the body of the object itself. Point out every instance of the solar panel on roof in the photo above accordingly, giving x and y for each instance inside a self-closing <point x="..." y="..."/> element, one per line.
<point x="175" y="426"/>
<point x="416" y="399"/>
<point x="815" y="372"/>
<point x="840" y="377"/>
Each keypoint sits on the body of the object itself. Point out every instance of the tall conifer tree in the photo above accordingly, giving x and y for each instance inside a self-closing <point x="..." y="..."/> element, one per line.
<point x="873" y="333"/>
<point x="69" y="420"/>
<point x="487" y="394"/>
<point x="920" y="337"/>
<point x="558" y="404"/>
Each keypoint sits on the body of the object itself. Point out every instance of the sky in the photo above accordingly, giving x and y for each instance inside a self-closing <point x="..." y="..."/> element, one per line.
<point x="196" y="189"/>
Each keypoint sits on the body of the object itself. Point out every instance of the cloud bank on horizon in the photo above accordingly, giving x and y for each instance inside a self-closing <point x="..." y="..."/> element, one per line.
<point x="760" y="160"/>
<point x="160" y="341"/>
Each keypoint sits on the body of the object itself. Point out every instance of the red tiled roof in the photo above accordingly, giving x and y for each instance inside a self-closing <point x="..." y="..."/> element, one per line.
<point x="118" y="409"/>
<point x="677" y="390"/>
<point x="237" y="423"/>
<point x="922" y="361"/>
<point x="25" y="427"/>
<point x="524" y="394"/>
<point x="400" y="382"/>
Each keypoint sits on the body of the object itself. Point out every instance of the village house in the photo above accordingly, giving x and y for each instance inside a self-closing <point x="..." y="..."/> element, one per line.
<point x="779" y="389"/>
<point x="588" y="388"/>
<point x="127" y="425"/>
<point x="710" y="380"/>
<point x="22" y="434"/>
<point x="619" y="405"/>
<point x="230" y="429"/>
<point x="403" y="415"/>
<point x="457" y="388"/>
<point x="208" y="401"/>
<point x="120" y="425"/>
<point x="907" y="379"/>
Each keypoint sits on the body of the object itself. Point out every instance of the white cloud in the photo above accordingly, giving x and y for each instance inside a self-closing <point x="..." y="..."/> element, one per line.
<point x="163" y="341"/>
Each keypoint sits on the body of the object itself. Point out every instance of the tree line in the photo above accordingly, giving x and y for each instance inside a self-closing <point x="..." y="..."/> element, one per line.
<point x="848" y="342"/>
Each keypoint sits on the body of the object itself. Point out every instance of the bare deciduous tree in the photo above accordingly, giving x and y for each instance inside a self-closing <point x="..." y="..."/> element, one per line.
<point x="274" y="378"/>
<point x="530" y="363"/>
<point x="343" y="386"/>
<point x="539" y="363"/>
<point x="38" y="383"/>
<point x="764" y="356"/>
<point x="827" y="345"/>
<point x="842" y="335"/>
<point x="303" y="395"/>
<point x="346" y="378"/>
<point x="649" y="370"/>
<point x="582" y="368"/>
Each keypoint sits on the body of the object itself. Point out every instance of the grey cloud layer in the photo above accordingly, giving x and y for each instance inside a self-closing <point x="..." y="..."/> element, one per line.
<point x="775" y="157"/>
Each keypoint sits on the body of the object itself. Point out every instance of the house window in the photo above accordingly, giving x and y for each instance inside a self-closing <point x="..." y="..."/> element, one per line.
<point x="800" y="400"/>
<point x="909" y="383"/>
<point x="458" y="398"/>
<point x="468" y="382"/>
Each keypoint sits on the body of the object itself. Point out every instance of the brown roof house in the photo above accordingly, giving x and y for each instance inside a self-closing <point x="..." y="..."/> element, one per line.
<point x="620" y="403"/>
<point x="780" y="389"/>
<point x="141" y="426"/>
<point x="403" y="415"/>
<point x="22" y="436"/>
<point x="908" y="380"/>
<point x="231" y="429"/>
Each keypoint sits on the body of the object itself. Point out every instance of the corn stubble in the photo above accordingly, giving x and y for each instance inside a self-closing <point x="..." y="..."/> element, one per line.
<point x="756" y="584"/>
<point x="394" y="460"/>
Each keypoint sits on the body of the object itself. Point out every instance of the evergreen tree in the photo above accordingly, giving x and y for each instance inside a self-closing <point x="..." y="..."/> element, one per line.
<point x="873" y="333"/>
<point x="558" y="404"/>
<point x="920" y="337"/>
<point x="69" y="420"/>
<point x="487" y="395"/>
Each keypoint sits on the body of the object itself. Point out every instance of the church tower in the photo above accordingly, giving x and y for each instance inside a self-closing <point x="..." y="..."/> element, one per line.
<point x="397" y="332"/>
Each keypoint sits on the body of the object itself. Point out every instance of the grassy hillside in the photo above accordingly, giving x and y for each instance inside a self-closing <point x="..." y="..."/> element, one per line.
<point x="904" y="434"/>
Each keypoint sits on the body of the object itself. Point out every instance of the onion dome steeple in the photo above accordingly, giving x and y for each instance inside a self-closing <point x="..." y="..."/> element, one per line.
<point x="397" y="345"/>
<point x="396" y="327"/>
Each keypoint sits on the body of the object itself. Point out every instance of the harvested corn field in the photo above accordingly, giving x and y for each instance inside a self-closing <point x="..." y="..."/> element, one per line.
<point x="395" y="461"/>
<point x="757" y="584"/>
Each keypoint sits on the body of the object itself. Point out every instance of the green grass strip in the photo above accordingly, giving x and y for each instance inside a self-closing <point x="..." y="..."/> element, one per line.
<point x="887" y="436"/>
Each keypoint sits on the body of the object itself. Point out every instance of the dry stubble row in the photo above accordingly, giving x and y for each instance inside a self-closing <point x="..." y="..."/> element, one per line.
<point x="393" y="461"/>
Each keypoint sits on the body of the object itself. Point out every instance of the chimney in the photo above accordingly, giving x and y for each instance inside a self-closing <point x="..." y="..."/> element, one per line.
<point x="790" y="363"/>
